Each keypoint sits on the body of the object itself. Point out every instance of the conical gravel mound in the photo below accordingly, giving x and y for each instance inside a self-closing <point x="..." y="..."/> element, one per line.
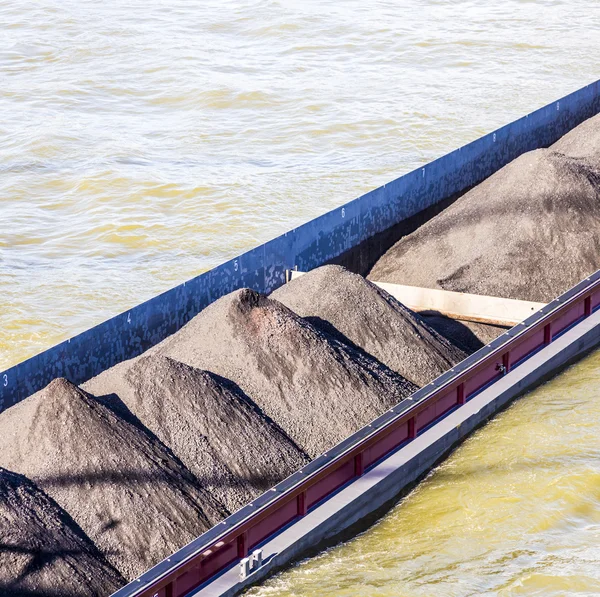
<point x="317" y="389"/>
<point x="355" y="310"/>
<point x="122" y="486"/>
<point x="531" y="231"/>
<point x="43" y="552"/>
<point x="223" y="438"/>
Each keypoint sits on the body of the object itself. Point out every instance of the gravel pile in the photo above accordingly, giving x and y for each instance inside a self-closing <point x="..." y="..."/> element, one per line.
<point x="197" y="414"/>
<point x="530" y="231"/>
<point x="582" y="142"/>
<point x="317" y="389"/>
<point x="122" y="486"/>
<point x="356" y="311"/>
<point x="42" y="551"/>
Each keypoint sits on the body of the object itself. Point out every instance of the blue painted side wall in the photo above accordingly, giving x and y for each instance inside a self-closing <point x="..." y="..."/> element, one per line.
<point x="306" y="247"/>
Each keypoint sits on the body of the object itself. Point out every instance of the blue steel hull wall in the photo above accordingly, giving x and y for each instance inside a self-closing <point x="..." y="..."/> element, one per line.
<point x="317" y="242"/>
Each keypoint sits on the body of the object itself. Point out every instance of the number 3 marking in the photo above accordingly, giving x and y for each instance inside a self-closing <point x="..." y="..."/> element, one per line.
<point x="5" y="380"/>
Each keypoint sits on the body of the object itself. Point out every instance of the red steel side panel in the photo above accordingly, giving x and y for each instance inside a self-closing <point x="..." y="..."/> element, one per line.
<point x="439" y="407"/>
<point x="527" y="346"/>
<point x="445" y="403"/>
<point x="216" y="561"/>
<point x="425" y="417"/>
<point x="571" y="316"/>
<point x="385" y="445"/>
<point x="329" y="484"/>
<point x="273" y="522"/>
<point x="187" y="581"/>
<point x="481" y="378"/>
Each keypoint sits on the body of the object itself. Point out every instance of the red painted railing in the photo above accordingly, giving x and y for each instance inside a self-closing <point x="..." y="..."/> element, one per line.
<point x="290" y="500"/>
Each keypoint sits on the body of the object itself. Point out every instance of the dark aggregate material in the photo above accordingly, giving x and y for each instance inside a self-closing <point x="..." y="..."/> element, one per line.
<point x="316" y="388"/>
<point x="531" y="231"/>
<point x="42" y="551"/>
<point x="356" y="311"/>
<point x="222" y="437"/>
<point x="582" y="142"/>
<point x="249" y="390"/>
<point x="122" y="486"/>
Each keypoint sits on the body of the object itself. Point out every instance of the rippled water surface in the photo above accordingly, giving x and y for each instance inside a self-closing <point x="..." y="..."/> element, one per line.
<point x="144" y="142"/>
<point x="514" y="511"/>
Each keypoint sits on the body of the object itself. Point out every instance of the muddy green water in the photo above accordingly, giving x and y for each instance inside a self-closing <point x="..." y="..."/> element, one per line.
<point x="144" y="142"/>
<point x="514" y="511"/>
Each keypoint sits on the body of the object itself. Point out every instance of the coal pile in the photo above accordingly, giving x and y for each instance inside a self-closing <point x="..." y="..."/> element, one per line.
<point x="123" y="487"/>
<point x="42" y="551"/>
<point x="210" y="425"/>
<point x="531" y="231"/>
<point x="316" y="388"/>
<point x="356" y="311"/>
<point x="582" y="142"/>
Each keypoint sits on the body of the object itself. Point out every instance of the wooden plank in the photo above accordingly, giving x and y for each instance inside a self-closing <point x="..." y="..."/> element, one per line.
<point x="458" y="305"/>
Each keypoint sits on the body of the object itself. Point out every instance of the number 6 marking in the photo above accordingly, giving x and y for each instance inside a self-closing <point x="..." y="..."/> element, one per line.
<point x="343" y="212"/>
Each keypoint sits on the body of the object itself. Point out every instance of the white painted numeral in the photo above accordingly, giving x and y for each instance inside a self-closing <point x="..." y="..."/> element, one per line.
<point x="5" y="380"/>
<point x="343" y="212"/>
<point x="128" y="317"/>
<point x="235" y="265"/>
<point x="423" y="170"/>
<point x="557" y="106"/>
<point x="494" y="137"/>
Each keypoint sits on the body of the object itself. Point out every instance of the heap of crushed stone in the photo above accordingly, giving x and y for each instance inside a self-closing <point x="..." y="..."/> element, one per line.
<point x="42" y="550"/>
<point x="354" y="310"/>
<point x="316" y="388"/>
<point x="122" y="486"/>
<point x="582" y="142"/>
<point x="196" y="414"/>
<point x="531" y="231"/>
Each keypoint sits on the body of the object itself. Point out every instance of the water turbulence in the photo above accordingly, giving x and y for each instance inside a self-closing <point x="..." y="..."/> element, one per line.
<point x="514" y="511"/>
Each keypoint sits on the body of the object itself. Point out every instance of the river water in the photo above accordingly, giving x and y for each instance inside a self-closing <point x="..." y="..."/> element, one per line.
<point x="143" y="142"/>
<point x="514" y="511"/>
